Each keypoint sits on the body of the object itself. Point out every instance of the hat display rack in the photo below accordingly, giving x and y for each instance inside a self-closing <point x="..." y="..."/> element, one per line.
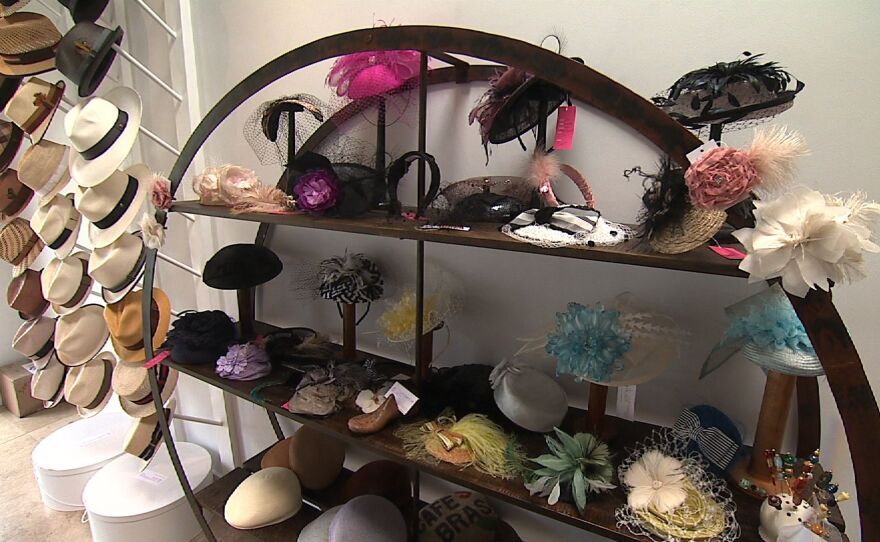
<point x="822" y="323"/>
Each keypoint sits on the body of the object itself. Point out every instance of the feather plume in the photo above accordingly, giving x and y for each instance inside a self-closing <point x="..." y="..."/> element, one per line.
<point x="542" y="168"/>
<point x="262" y="199"/>
<point x="153" y="233"/>
<point x="666" y="197"/>
<point x="862" y="211"/>
<point x="773" y="152"/>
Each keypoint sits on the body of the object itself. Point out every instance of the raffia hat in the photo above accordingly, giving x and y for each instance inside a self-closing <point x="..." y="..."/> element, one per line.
<point x="58" y="223"/>
<point x="125" y="321"/>
<point x="118" y="266"/>
<point x="34" y="338"/>
<point x="19" y="245"/>
<point x="80" y="335"/>
<point x="88" y="386"/>
<point x="27" y="44"/>
<point x="102" y="131"/>
<point x="86" y="53"/>
<point x="66" y="284"/>
<point x="10" y="141"/>
<point x="43" y="167"/>
<point x="8" y="7"/>
<point x="33" y="106"/>
<point x="25" y="294"/>
<point x="131" y="382"/>
<point x="145" y="436"/>
<point x="112" y="205"/>
<point x="14" y="196"/>
<point x="47" y="384"/>
<point x="695" y="228"/>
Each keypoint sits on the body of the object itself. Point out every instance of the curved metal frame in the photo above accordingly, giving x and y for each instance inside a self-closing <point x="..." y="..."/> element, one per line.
<point x="850" y="386"/>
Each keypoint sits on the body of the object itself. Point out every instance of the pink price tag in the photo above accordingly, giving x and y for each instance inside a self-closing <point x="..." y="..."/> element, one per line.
<point x="159" y="358"/>
<point x="566" y="118"/>
<point x="728" y="252"/>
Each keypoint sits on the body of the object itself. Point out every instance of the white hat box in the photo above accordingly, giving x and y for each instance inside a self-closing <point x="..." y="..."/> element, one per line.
<point x="124" y="502"/>
<point x="65" y="460"/>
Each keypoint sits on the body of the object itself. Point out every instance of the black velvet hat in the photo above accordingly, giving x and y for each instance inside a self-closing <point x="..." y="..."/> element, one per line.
<point x="241" y="266"/>
<point x="200" y="337"/>
<point x="85" y="10"/>
<point x="86" y="53"/>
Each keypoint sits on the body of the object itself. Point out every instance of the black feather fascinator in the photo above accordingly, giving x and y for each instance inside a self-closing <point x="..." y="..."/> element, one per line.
<point x="666" y="197"/>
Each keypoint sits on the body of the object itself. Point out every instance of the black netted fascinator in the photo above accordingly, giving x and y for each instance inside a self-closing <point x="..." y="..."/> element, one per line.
<point x="241" y="266"/>
<point x="200" y="337"/>
<point x="350" y="278"/>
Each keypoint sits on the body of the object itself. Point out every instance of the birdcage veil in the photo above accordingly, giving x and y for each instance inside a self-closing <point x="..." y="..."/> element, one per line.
<point x="267" y="128"/>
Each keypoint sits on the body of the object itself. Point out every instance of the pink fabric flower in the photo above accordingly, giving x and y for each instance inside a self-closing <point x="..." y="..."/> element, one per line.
<point x="317" y="190"/>
<point x="722" y="178"/>
<point x="371" y="73"/>
<point x="160" y="193"/>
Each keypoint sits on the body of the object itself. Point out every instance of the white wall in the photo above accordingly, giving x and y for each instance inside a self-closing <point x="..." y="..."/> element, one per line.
<point x="644" y="45"/>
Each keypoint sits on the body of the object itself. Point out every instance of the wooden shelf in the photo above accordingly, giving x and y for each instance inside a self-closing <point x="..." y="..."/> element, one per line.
<point x="597" y="518"/>
<point x="701" y="260"/>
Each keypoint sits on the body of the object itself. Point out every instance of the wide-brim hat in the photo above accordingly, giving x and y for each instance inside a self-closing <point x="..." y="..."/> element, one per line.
<point x="33" y="106"/>
<point x="695" y="228"/>
<point x="131" y="382"/>
<point x="88" y="385"/>
<point x="85" y="10"/>
<point x="9" y="7"/>
<point x="27" y="44"/>
<point x="11" y="137"/>
<point x="66" y="283"/>
<point x="105" y="129"/>
<point x="80" y="335"/>
<point x="118" y="266"/>
<point x="25" y="294"/>
<point x="125" y="321"/>
<point x="786" y="361"/>
<point x="58" y="223"/>
<point x="14" y="196"/>
<point x="47" y="383"/>
<point x="19" y="245"/>
<point x="34" y="338"/>
<point x="241" y="266"/>
<point x="114" y="204"/>
<point x="85" y="54"/>
<point x="145" y="435"/>
<point x="43" y="167"/>
<point x="528" y="397"/>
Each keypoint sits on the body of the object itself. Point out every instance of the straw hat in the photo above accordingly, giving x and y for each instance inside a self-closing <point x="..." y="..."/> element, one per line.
<point x="66" y="284"/>
<point x="86" y="53"/>
<point x="114" y="204"/>
<point x="25" y="294"/>
<point x="88" y="386"/>
<point x="102" y="131"/>
<point x="27" y="44"/>
<point x="695" y="228"/>
<point x="125" y="321"/>
<point x="118" y="266"/>
<point x="33" y="339"/>
<point x="85" y="10"/>
<point x="80" y="335"/>
<point x="145" y="435"/>
<point x="8" y="7"/>
<point x="33" y="105"/>
<point x="14" y="196"/>
<point x="264" y="498"/>
<point x="47" y="384"/>
<point x="10" y="141"/>
<point x="131" y="382"/>
<point x="43" y="167"/>
<point x="57" y="223"/>
<point x="19" y="245"/>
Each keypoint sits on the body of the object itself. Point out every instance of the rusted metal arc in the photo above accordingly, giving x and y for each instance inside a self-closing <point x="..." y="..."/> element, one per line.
<point x="852" y="393"/>
<point x="585" y="84"/>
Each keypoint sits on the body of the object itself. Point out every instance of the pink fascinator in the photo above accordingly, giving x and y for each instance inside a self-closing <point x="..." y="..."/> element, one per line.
<point x="239" y="188"/>
<point x="372" y="73"/>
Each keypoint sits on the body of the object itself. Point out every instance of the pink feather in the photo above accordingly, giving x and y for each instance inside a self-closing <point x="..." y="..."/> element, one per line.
<point x="542" y="169"/>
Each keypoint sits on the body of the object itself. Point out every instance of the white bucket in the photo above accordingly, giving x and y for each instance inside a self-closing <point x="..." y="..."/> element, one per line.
<point x="125" y="503"/>
<point x="65" y="460"/>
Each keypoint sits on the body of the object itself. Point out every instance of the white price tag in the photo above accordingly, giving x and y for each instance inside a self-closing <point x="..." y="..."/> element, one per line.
<point x="626" y="402"/>
<point x="151" y="477"/>
<point x="695" y="154"/>
<point x="405" y="398"/>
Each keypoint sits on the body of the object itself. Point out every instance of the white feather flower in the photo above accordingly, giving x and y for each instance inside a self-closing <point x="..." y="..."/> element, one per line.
<point x="152" y="232"/>
<point x="656" y="482"/>
<point x="807" y="239"/>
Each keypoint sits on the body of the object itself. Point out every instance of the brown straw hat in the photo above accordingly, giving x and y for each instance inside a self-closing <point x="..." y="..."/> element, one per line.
<point x="8" y="7"/>
<point x="695" y="228"/>
<point x="43" y="167"/>
<point x="27" y="44"/>
<point x="145" y="436"/>
<point x="25" y="295"/>
<point x="88" y="386"/>
<point x="125" y="321"/>
<point x="10" y="141"/>
<point x="33" y="105"/>
<point x="19" y="245"/>
<point x="14" y="196"/>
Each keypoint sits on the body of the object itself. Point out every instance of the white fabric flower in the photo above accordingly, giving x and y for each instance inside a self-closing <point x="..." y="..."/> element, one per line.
<point x="656" y="482"/>
<point x="807" y="239"/>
